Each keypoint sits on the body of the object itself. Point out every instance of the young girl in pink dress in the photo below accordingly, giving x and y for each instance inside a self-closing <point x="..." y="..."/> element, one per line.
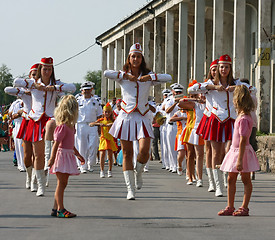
<point x="62" y="161"/>
<point x="241" y="157"/>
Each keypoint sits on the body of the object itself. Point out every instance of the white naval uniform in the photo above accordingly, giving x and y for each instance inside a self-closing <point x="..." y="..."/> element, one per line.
<point x="18" y="142"/>
<point x="171" y="134"/>
<point x="163" y="139"/>
<point x="86" y="138"/>
<point x="133" y="122"/>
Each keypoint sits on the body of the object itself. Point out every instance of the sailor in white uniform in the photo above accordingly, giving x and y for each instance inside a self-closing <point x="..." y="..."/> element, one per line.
<point x="87" y="139"/>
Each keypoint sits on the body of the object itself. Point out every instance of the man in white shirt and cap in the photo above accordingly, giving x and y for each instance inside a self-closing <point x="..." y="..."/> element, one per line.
<point x="87" y="139"/>
<point x="171" y="108"/>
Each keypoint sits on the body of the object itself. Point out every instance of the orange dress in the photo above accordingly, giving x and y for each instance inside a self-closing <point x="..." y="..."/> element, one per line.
<point x="106" y="141"/>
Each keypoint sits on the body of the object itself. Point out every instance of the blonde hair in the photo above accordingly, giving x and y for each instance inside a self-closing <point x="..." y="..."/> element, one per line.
<point x="67" y="111"/>
<point x="242" y="100"/>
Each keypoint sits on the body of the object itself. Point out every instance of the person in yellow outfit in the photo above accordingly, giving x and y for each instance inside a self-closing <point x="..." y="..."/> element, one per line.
<point x="106" y="141"/>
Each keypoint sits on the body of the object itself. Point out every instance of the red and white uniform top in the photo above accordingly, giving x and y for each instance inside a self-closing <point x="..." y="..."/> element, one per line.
<point x="27" y="99"/>
<point x="200" y="88"/>
<point x="222" y="101"/>
<point x="135" y="94"/>
<point x="43" y="102"/>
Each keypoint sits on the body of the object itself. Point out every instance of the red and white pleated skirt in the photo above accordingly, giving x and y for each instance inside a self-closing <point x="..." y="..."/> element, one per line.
<point x="35" y="129"/>
<point x="201" y="130"/>
<point x="22" y="130"/>
<point x="218" y="131"/>
<point x="131" y="127"/>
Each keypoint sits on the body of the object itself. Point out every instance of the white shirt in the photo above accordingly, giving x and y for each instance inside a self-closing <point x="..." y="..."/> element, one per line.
<point x="89" y="109"/>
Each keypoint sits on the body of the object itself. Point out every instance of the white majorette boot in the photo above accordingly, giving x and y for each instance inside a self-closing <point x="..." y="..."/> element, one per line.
<point x="211" y="187"/>
<point x="41" y="181"/>
<point x="217" y="178"/>
<point x="28" y="177"/>
<point x="33" y="181"/>
<point x="138" y="175"/>
<point x="129" y="181"/>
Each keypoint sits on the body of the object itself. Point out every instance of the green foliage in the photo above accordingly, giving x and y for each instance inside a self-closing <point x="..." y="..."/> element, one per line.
<point x="6" y="79"/>
<point x="95" y="77"/>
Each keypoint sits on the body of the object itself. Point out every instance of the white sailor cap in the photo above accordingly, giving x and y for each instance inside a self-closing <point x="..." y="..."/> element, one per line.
<point x="87" y="85"/>
<point x="166" y="91"/>
<point x="172" y="85"/>
<point x="178" y="87"/>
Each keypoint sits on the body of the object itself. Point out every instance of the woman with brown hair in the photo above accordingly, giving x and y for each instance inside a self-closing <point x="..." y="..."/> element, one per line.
<point x="133" y="122"/>
<point x="44" y="91"/>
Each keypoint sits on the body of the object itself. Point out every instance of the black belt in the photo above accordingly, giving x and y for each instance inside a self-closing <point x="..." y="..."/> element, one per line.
<point x="171" y="123"/>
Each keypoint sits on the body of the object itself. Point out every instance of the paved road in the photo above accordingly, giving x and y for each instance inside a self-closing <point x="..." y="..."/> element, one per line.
<point x="166" y="208"/>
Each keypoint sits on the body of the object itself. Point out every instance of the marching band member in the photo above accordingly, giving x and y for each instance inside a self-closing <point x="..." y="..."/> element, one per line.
<point x="44" y="90"/>
<point x="202" y="125"/>
<point x="171" y="108"/>
<point x="87" y="139"/>
<point x="166" y="93"/>
<point x="220" y="126"/>
<point x="25" y="95"/>
<point x="132" y="122"/>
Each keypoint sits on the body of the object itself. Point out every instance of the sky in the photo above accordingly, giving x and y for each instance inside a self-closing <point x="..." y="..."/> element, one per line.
<point x="32" y="29"/>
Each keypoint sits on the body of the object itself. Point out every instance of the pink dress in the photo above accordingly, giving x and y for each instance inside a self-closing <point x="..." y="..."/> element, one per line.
<point x="65" y="161"/>
<point x="242" y="127"/>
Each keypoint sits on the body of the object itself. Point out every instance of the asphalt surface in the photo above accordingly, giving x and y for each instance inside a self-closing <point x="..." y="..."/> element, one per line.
<point x="165" y="208"/>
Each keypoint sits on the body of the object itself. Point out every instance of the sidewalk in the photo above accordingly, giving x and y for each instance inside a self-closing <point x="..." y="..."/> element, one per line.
<point x="165" y="208"/>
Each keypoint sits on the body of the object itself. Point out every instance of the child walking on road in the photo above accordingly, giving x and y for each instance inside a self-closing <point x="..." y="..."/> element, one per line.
<point x="241" y="157"/>
<point x="107" y="141"/>
<point x="62" y="161"/>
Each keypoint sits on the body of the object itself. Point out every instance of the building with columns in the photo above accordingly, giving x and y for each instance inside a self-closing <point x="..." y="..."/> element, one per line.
<point x="182" y="37"/>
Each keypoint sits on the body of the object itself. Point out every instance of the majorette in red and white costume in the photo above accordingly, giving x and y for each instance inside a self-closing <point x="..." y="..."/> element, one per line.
<point x="43" y="102"/>
<point x="220" y="125"/>
<point x="197" y="88"/>
<point x="132" y="123"/>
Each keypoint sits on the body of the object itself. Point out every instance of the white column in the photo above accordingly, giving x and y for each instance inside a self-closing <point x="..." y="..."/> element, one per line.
<point x="218" y="8"/>
<point x="146" y="48"/>
<point x="103" y="79"/>
<point x="169" y="43"/>
<point x="126" y="46"/>
<point x="239" y="38"/>
<point x="199" y="43"/>
<point x="157" y="55"/>
<point x="111" y="83"/>
<point x="263" y="70"/>
<point x="183" y="43"/>
<point x="118" y="46"/>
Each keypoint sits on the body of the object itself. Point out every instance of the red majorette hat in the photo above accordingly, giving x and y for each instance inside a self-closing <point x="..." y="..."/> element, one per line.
<point x="225" y="59"/>
<point x="46" y="61"/>
<point x="34" y="67"/>
<point x="214" y="63"/>
<point x="136" y="48"/>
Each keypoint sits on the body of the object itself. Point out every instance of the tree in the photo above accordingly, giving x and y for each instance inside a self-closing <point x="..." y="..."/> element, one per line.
<point x="95" y="77"/>
<point x="6" y="79"/>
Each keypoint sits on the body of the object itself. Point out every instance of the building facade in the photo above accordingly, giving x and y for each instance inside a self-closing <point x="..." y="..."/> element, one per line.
<point x="182" y="38"/>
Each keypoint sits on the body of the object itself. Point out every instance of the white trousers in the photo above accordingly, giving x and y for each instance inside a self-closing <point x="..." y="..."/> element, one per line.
<point x="87" y="142"/>
<point x="171" y="138"/>
<point x="163" y="145"/>
<point x="18" y="146"/>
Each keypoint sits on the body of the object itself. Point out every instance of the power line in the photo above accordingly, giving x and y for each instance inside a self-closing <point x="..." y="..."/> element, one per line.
<point x="77" y="54"/>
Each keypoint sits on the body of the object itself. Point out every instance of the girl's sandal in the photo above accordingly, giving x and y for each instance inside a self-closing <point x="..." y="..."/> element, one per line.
<point x="65" y="214"/>
<point x="241" y="212"/>
<point x="54" y="213"/>
<point x="228" y="211"/>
